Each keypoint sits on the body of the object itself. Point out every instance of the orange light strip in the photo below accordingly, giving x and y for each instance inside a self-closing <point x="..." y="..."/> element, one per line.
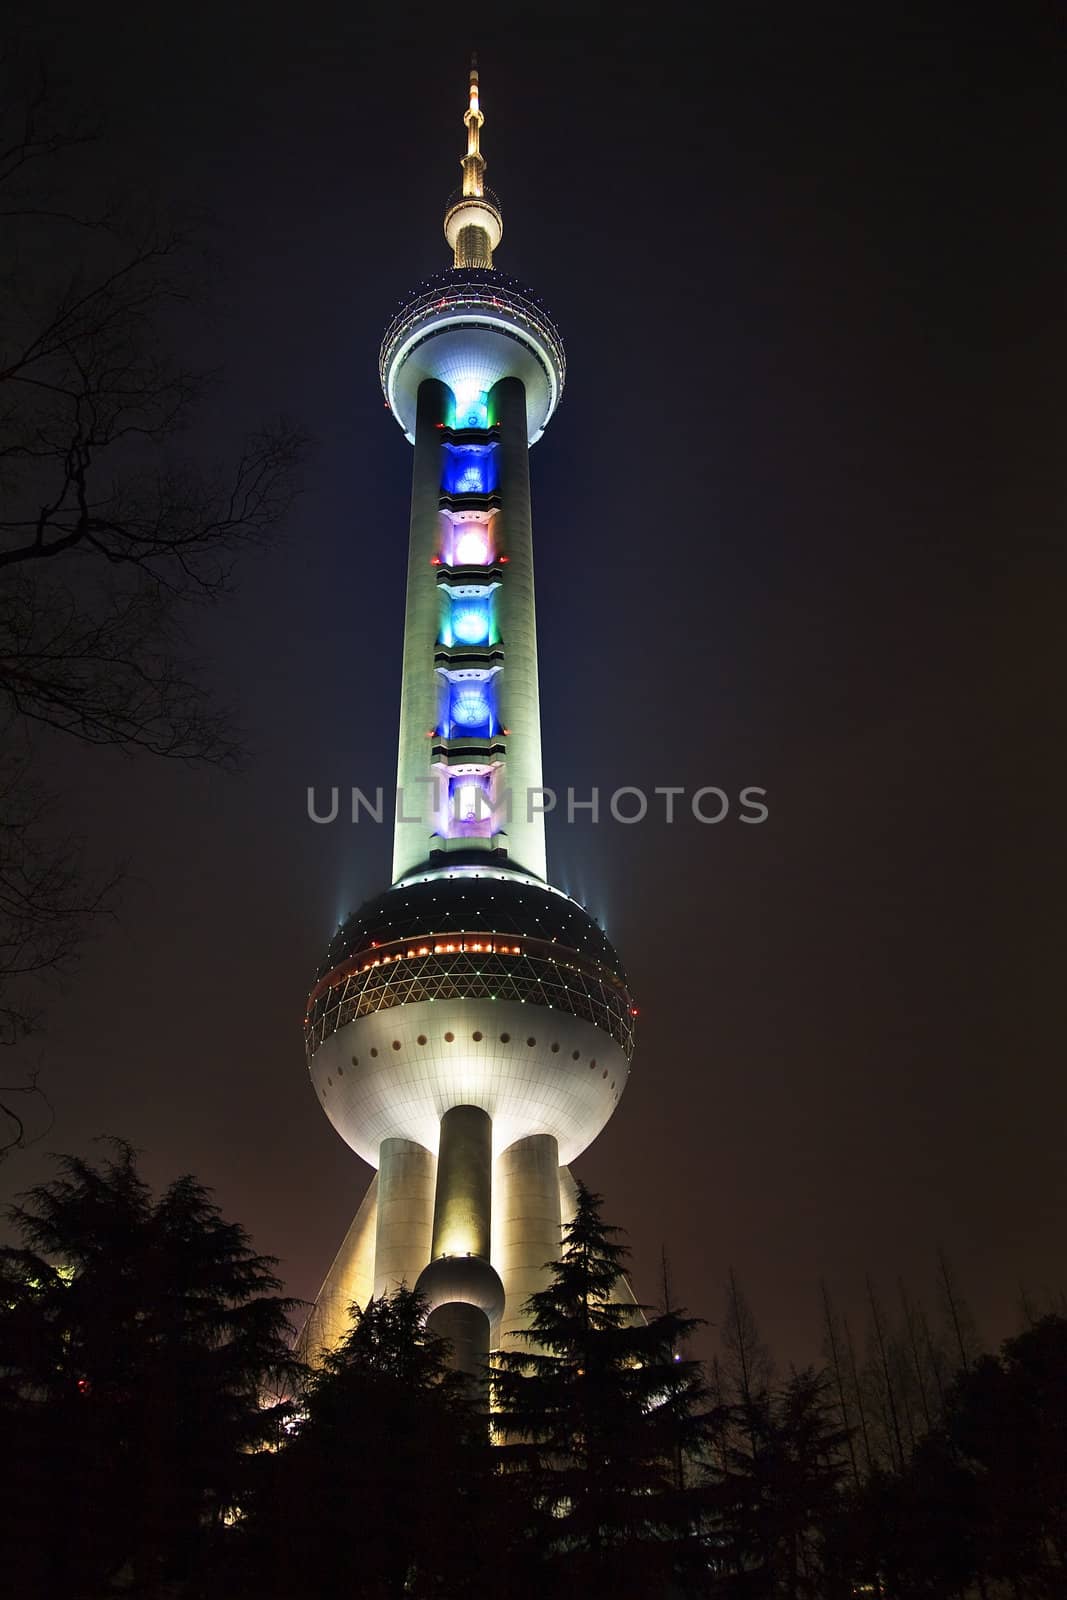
<point x="460" y="944"/>
<point x="408" y="951"/>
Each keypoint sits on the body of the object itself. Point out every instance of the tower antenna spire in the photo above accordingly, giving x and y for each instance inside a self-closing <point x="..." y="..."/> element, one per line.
<point x="473" y="117"/>
<point x="473" y="224"/>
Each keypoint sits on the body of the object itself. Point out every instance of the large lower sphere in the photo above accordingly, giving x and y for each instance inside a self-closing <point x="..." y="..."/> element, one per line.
<point x="484" y="990"/>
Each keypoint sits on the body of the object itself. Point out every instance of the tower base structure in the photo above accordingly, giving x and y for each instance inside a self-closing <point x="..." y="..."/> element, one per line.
<point x="534" y="1200"/>
<point x="531" y="1198"/>
<point x="469" y="1035"/>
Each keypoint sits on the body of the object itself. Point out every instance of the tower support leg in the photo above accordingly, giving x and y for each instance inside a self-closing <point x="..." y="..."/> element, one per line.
<point x="405" y="1214"/>
<point x="463" y="1198"/>
<point x="467" y="1330"/>
<point x="463" y="1293"/>
<point x="527" y="1231"/>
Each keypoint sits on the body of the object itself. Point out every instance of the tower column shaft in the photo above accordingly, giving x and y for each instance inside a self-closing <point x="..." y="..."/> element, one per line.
<point x="463" y="1199"/>
<point x="466" y="1328"/>
<point x="349" y="1280"/>
<point x="520" y="704"/>
<point x="461" y="1288"/>
<point x="419" y="686"/>
<point x="526" y="1225"/>
<point x="405" y="1214"/>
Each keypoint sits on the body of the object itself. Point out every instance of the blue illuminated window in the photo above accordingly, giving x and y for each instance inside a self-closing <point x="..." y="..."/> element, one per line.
<point x="469" y="469"/>
<point x="470" y="706"/>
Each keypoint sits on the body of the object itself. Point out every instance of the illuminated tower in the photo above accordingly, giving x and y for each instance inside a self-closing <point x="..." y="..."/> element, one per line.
<point x="471" y="1028"/>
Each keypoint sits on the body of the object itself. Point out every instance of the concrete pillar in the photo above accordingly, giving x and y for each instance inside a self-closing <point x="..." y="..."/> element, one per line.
<point x="568" y="1196"/>
<point x="462" y="1290"/>
<point x="419" y="685"/>
<point x="405" y="1213"/>
<point x="466" y="1328"/>
<point x="518" y="695"/>
<point x="349" y="1280"/>
<point x="526" y="1225"/>
<point x="463" y="1201"/>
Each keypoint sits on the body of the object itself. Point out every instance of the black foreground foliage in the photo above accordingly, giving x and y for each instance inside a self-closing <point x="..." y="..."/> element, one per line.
<point x="138" y="1340"/>
<point x="164" y="1441"/>
<point x="601" y="1413"/>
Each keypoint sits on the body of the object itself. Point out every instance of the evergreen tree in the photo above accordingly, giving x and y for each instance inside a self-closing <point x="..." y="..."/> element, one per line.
<point x="978" y="1508"/>
<point x="804" y="1464"/>
<point x="600" y="1412"/>
<point x="137" y="1340"/>
<point x="1007" y="1419"/>
<point x="385" y="1486"/>
<point x="779" y="1459"/>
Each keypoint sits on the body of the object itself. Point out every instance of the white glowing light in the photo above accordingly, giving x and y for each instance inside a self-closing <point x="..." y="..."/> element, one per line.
<point x="472" y="403"/>
<point x="467" y="802"/>
<point x="472" y="548"/>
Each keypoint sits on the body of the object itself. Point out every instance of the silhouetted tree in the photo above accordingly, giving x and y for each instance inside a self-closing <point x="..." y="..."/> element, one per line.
<point x="858" y="1397"/>
<point x="957" y="1314"/>
<point x="108" y="538"/>
<point x="385" y="1486"/>
<point x="22" y="1100"/>
<point x="137" y="1337"/>
<point x="834" y="1348"/>
<point x="910" y="1533"/>
<point x="595" y="1414"/>
<point x="746" y="1360"/>
<point x="918" y="1369"/>
<point x="883" y="1377"/>
<point x="1007" y="1419"/>
<point x="980" y="1506"/>
<point x="780" y="1457"/>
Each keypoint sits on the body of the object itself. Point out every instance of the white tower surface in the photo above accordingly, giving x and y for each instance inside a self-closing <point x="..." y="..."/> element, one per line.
<point x="471" y="1029"/>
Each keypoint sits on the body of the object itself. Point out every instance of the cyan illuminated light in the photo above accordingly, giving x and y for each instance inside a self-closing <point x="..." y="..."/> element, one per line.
<point x="470" y="624"/>
<point x="472" y="406"/>
<point x="470" y="707"/>
<point x="471" y="548"/>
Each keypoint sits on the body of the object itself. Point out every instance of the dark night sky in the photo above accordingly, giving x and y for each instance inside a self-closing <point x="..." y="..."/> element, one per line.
<point x="799" y="523"/>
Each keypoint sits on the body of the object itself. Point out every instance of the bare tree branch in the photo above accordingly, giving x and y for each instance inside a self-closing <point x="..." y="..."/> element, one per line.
<point x="110" y="538"/>
<point x="16" y="1101"/>
<point x="107" y="535"/>
<point x="47" y="902"/>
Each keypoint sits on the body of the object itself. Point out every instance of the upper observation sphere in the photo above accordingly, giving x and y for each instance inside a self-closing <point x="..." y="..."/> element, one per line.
<point x="470" y="327"/>
<point x="473" y="210"/>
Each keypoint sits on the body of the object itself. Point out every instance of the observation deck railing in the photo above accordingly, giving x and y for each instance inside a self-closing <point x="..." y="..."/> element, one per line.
<point x="478" y="288"/>
<point x="490" y="197"/>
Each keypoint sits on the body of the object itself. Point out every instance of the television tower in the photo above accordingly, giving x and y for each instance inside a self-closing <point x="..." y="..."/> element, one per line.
<point x="470" y="1030"/>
